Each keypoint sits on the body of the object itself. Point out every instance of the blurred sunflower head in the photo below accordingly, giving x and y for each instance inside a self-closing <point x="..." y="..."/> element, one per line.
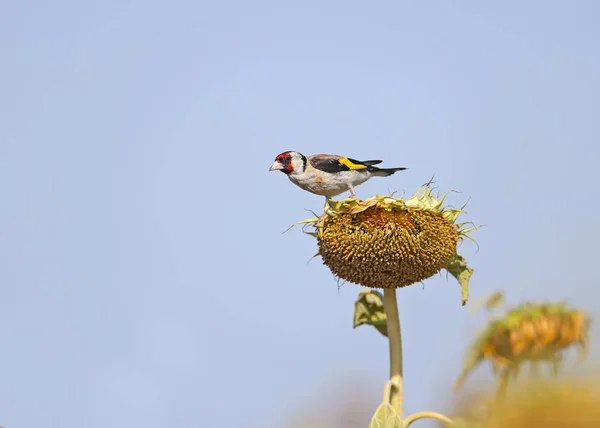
<point x="528" y="333"/>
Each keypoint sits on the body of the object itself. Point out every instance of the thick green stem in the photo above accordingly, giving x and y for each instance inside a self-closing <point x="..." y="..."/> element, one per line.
<point x="390" y="306"/>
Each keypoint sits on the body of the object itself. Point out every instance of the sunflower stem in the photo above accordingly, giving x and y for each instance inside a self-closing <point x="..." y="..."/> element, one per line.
<point x="390" y="306"/>
<point x="502" y="386"/>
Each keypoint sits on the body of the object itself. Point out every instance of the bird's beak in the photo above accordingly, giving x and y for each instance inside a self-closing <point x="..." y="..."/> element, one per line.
<point x="276" y="166"/>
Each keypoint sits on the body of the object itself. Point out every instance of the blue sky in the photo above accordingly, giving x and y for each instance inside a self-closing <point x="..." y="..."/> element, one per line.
<point x="145" y="279"/>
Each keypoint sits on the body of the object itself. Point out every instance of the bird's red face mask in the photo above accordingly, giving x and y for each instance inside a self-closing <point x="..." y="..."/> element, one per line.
<point x="283" y="163"/>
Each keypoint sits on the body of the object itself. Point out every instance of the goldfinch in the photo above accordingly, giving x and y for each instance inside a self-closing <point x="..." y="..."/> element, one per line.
<point x="328" y="175"/>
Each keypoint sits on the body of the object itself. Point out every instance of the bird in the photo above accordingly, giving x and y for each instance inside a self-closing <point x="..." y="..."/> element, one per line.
<point x="328" y="175"/>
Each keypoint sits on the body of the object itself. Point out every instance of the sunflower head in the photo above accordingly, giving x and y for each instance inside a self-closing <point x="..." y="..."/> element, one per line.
<point x="529" y="333"/>
<point x="386" y="242"/>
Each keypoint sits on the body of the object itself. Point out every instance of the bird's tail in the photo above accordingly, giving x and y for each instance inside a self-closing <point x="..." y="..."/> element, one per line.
<point x="383" y="172"/>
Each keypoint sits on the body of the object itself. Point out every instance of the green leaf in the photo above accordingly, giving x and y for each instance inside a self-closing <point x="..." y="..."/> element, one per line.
<point x="457" y="267"/>
<point x="385" y="417"/>
<point x="368" y="309"/>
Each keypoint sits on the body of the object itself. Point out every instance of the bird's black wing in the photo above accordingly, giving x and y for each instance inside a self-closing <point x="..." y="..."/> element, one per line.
<point x="371" y="162"/>
<point x="328" y="165"/>
<point x="333" y="165"/>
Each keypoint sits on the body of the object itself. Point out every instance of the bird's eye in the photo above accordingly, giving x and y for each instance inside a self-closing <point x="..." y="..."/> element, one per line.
<point x="287" y="158"/>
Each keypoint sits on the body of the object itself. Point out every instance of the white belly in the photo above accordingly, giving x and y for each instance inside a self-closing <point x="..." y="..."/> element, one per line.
<point x="326" y="184"/>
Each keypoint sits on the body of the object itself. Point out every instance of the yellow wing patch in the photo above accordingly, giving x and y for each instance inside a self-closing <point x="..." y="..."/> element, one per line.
<point x="350" y="164"/>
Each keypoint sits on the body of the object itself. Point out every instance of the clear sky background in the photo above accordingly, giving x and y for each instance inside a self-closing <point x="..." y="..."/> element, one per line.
<point x="145" y="279"/>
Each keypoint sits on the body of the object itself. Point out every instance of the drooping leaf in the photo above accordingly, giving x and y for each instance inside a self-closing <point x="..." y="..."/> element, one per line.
<point x="368" y="309"/>
<point x="457" y="267"/>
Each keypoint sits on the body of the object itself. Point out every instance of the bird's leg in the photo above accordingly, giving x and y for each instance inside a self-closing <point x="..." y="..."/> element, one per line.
<point x="352" y="191"/>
